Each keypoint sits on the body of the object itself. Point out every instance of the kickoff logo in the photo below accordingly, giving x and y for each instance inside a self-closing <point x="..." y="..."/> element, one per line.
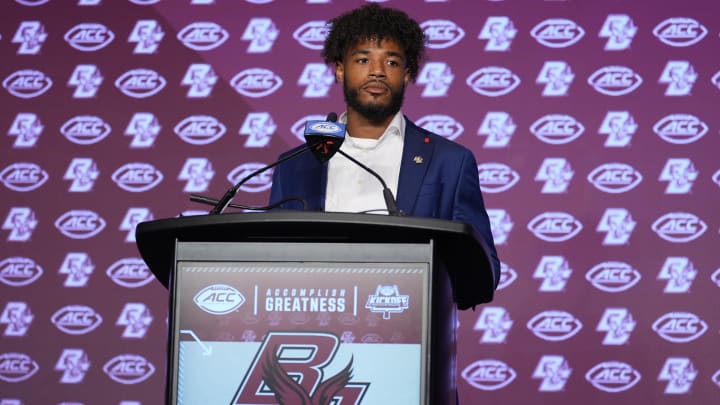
<point x="488" y="374"/>
<point x="23" y="177"/>
<point x="442" y="34"/>
<point x="27" y="83"/>
<point x="19" y="271"/>
<point x="613" y="376"/>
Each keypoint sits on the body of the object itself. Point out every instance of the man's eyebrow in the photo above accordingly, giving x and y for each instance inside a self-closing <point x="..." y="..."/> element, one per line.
<point x="365" y="52"/>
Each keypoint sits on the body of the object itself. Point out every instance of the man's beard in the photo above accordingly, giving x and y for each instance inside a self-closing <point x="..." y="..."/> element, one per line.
<point x="375" y="113"/>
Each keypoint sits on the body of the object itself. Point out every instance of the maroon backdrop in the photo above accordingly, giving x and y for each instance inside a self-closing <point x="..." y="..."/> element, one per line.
<point x="595" y="125"/>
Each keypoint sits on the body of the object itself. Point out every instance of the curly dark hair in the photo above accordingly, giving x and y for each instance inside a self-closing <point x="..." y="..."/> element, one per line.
<point x="371" y="21"/>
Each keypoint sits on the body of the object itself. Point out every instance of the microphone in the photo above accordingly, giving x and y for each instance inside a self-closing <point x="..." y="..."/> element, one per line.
<point x="330" y="135"/>
<point x="323" y="138"/>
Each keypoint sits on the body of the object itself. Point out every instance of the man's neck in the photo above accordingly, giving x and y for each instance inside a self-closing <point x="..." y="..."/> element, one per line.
<point x="360" y="127"/>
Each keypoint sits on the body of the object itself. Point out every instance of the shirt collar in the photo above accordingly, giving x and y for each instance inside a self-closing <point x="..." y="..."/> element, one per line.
<point x="396" y="126"/>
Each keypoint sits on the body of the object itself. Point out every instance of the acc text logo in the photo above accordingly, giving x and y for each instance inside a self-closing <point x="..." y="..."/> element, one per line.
<point x="615" y="80"/>
<point x="76" y="319"/>
<point x="256" y="82"/>
<point x="679" y="327"/>
<point x="19" y="271"/>
<point x="443" y="125"/>
<point x="496" y="177"/>
<point x="219" y="299"/>
<point x="680" y="129"/>
<point x="680" y="31"/>
<point x="557" y="32"/>
<point x="555" y="226"/>
<point x="23" y="176"/>
<point x="80" y="224"/>
<point x="614" y="178"/>
<point x="489" y="374"/>
<point x="679" y="227"/>
<point x="129" y="369"/>
<point x="255" y="184"/>
<point x="554" y="325"/>
<point x="557" y="129"/>
<point x="137" y="177"/>
<point x="493" y="81"/>
<point x="202" y="35"/>
<point x="130" y="272"/>
<point x="613" y="376"/>
<point x="27" y="83"/>
<point x="140" y="83"/>
<point x="613" y="276"/>
<point x="16" y="367"/>
<point x="85" y="129"/>
<point x="89" y="37"/>
<point x="442" y="33"/>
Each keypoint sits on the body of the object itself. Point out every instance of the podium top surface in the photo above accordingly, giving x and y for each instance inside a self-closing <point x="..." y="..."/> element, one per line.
<point x="459" y="247"/>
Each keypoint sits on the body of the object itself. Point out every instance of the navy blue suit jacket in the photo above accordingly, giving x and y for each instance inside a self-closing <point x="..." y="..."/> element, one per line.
<point x="438" y="179"/>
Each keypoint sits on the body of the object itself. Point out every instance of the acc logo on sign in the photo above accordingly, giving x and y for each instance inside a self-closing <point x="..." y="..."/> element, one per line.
<point x="554" y="326"/>
<point x="312" y="34"/>
<point x="200" y="129"/>
<point x="16" y="367"/>
<point x="130" y="272"/>
<point x="496" y="177"/>
<point x="679" y="227"/>
<point x="137" y="177"/>
<point x="19" y="271"/>
<point x="613" y="277"/>
<point x="555" y="226"/>
<point x="256" y="82"/>
<point x="615" y="80"/>
<point x="613" y="376"/>
<point x="85" y="129"/>
<point x="80" y="224"/>
<point x="219" y="299"/>
<point x="23" y="176"/>
<point x="488" y="374"/>
<point x="680" y="31"/>
<point x="680" y="129"/>
<point x="203" y="35"/>
<point x="129" y="369"/>
<point x="442" y="33"/>
<point x="493" y="81"/>
<point x="140" y="83"/>
<point x="27" y="83"/>
<point x="557" y="129"/>
<point x="557" y="32"/>
<point x="89" y="37"/>
<point x="679" y="327"/>
<point x="614" y="178"/>
<point x="76" y="319"/>
<point x="443" y="125"/>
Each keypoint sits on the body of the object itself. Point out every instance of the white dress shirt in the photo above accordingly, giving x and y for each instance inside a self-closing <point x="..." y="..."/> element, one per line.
<point x="350" y="188"/>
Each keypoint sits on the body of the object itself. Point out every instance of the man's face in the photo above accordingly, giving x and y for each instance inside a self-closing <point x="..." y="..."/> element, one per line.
<point x="374" y="76"/>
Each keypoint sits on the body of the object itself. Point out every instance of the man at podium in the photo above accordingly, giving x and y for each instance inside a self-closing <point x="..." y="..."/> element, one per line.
<point x="376" y="52"/>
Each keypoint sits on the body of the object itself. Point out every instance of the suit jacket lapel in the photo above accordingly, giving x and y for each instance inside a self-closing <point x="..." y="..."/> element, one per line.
<point x="415" y="161"/>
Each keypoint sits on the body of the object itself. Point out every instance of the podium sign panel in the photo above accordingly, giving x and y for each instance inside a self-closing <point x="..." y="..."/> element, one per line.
<point x="251" y="320"/>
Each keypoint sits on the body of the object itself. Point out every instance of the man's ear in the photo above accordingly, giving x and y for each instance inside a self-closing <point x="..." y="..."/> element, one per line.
<point x="339" y="72"/>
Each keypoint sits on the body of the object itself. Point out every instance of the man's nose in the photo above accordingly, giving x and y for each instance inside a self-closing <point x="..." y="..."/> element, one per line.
<point x="377" y="69"/>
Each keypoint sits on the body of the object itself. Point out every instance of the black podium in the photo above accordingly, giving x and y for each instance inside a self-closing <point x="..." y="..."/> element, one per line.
<point x="290" y="306"/>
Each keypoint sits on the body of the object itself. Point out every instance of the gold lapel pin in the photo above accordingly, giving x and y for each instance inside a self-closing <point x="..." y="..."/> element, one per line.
<point x="418" y="159"/>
